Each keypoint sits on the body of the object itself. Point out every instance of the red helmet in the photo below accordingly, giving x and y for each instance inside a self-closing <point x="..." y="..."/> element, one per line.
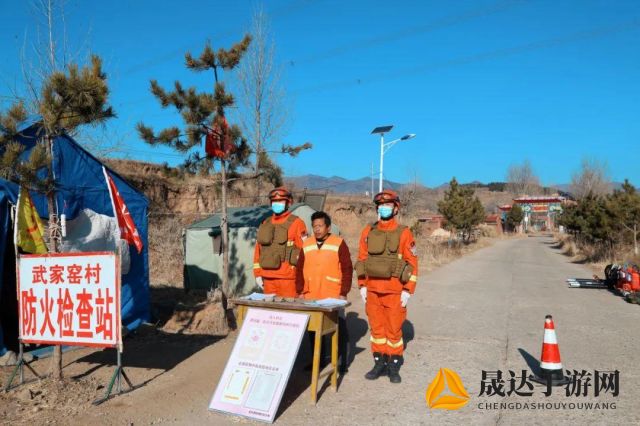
<point x="387" y="196"/>
<point x="280" y="194"/>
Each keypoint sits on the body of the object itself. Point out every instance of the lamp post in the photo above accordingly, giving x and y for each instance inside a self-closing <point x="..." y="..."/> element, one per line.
<point x="384" y="147"/>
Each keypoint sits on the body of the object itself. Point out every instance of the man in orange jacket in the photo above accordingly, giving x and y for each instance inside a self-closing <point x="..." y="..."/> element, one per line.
<point x="325" y="271"/>
<point x="387" y="270"/>
<point x="279" y="241"/>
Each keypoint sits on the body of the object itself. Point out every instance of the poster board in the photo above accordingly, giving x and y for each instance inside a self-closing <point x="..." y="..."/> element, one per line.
<point x="258" y="369"/>
<point x="69" y="299"/>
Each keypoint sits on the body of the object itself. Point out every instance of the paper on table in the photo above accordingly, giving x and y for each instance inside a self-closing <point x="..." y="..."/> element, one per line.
<point x="331" y="302"/>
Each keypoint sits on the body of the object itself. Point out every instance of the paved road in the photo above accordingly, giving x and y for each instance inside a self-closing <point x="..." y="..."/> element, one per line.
<point x="482" y="312"/>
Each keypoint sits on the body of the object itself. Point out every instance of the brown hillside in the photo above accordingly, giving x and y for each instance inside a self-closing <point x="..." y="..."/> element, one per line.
<point x="176" y="200"/>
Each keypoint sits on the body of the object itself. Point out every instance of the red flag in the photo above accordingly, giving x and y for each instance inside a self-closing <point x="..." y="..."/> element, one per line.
<point x="218" y="142"/>
<point x="128" y="230"/>
<point x="212" y="144"/>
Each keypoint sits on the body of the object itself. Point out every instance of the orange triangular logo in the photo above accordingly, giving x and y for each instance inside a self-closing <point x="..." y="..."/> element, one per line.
<point x="435" y="392"/>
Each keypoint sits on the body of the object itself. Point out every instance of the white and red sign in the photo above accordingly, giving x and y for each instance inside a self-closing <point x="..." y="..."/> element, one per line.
<point x="70" y="299"/>
<point x="258" y="369"/>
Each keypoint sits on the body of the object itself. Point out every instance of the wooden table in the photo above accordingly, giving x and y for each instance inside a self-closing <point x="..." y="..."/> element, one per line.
<point x="322" y="321"/>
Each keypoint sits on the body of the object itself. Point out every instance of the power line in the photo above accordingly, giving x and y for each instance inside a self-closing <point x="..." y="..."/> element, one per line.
<point x="139" y="151"/>
<point x="419" y="29"/>
<point x="291" y="7"/>
<point x="479" y="57"/>
<point x="357" y="45"/>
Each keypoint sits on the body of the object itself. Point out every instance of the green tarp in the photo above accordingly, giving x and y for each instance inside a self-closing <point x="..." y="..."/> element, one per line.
<point x="203" y="251"/>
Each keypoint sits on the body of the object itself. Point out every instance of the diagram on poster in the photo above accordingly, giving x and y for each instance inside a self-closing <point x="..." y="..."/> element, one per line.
<point x="264" y="389"/>
<point x="259" y="366"/>
<point x="237" y="385"/>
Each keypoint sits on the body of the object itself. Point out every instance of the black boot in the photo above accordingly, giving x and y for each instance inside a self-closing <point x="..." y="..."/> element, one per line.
<point x="394" y="368"/>
<point x="380" y="367"/>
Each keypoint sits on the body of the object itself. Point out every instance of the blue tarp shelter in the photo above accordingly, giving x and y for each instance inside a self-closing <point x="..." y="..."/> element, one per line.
<point x="80" y="184"/>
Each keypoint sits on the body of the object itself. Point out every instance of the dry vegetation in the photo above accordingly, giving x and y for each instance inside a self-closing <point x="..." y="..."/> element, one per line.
<point x="166" y="249"/>
<point x="592" y="255"/>
<point x="589" y="253"/>
<point x="352" y="213"/>
<point x="177" y="200"/>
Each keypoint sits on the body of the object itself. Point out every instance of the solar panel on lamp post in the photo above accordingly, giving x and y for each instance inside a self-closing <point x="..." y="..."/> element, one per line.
<point x="384" y="147"/>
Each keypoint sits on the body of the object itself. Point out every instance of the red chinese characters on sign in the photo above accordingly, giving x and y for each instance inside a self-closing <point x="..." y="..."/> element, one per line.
<point x="46" y="305"/>
<point x="103" y="305"/>
<point x="39" y="272"/>
<point x="69" y="299"/>
<point x="92" y="273"/>
<point x="65" y="313"/>
<point x="56" y="274"/>
<point x="84" y="311"/>
<point x="28" y="311"/>
<point x="71" y="274"/>
<point x="74" y="274"/>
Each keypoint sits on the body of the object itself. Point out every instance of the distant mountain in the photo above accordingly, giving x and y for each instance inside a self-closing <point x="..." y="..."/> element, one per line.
<point x="564" y="187"/>
<point x="338" y="184"/>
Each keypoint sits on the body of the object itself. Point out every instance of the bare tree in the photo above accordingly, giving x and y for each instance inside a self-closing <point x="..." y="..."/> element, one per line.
<point x="262" y="112"/>
<point x="412" y="192"/>
<point x="592" y="178"/>
<point x="46" y="51"/>
<point x="521" y="179"/>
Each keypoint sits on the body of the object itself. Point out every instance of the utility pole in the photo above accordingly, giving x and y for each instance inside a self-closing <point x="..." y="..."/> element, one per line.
<point x="381" y="161"/>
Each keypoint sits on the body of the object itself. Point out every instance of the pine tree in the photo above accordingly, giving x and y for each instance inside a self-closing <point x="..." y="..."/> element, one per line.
<point x="592" y="221"/>
<point x="514" y="217"/>
<point x="624" y="206"/>
<point x="69" y="99"/>
<point x="205" y="112"/>
<point x="462" y="209"/>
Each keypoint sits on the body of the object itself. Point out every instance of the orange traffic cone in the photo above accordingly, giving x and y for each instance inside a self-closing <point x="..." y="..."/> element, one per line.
<point x="550" y="364"/>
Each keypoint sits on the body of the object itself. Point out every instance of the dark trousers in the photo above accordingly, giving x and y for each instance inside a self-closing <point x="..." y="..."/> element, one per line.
<point x="343" y="346"/>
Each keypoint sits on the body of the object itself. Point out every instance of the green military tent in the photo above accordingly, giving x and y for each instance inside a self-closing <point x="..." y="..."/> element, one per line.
<point x="203" y="247"/>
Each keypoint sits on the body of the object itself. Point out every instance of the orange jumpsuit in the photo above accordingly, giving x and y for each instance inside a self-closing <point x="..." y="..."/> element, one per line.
<point x="281" y="281"/>
<point x="383" y="306"/>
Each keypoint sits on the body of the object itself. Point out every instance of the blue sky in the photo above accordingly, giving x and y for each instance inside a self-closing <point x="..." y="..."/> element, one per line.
<point x="483" y="84"/>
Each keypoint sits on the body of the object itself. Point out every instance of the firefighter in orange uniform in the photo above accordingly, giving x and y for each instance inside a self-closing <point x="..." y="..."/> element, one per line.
<point x="387" y="270"/>
<point x="278" y="245"/>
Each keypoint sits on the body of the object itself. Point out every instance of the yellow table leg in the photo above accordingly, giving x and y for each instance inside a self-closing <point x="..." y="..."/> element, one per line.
<point x="334" y="359"/>
<point x="241" y="314"/>
<point x="315" y="371"/>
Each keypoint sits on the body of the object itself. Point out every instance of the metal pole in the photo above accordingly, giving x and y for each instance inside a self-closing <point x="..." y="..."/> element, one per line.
<point x="119" y="370"/>
<point x="21" y="361"/>
<point x="372" y="194"/>
<point x="381" y="161"/>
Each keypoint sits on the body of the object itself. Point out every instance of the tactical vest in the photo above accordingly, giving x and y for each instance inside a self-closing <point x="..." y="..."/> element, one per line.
<point x="384" y="258"/>
<point x="276" y="248"/>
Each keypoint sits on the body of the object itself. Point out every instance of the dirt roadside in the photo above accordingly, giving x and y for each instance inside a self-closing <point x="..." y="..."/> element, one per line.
<point x="482" y="312"/>
<point x="164" y="367"/>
